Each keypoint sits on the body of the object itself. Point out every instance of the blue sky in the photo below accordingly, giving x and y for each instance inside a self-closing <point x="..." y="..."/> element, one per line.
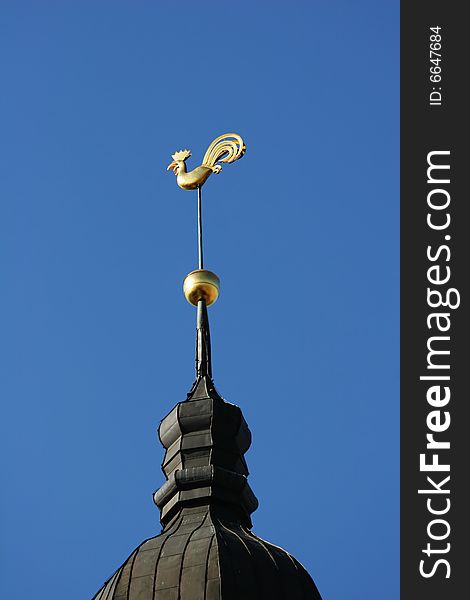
<point x="95" y="239"/>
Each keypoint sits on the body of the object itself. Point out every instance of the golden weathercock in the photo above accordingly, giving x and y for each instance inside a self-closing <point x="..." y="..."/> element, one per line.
<point x="201" y="284"/>
<point x="226" y="148"/>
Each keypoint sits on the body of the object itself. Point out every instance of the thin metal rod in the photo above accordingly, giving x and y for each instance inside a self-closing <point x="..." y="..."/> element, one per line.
<point x="199" y="227"/>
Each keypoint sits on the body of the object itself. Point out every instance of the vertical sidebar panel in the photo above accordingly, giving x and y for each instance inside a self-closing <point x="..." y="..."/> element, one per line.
<point x="435" y="337"/>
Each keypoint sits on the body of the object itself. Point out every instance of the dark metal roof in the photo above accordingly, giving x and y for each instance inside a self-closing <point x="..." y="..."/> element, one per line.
<point x="206" y="550"/>
<point x="203" y="556"/>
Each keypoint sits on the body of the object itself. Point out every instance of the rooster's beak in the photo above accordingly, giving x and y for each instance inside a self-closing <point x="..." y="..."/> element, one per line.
<point x="172" y="165"/>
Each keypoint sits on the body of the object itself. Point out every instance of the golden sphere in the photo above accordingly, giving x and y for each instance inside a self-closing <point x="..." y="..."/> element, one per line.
<point x="201" y="285"/>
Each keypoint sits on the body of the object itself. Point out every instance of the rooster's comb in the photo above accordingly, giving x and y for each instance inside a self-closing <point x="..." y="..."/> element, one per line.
<point x="181" y="155"/>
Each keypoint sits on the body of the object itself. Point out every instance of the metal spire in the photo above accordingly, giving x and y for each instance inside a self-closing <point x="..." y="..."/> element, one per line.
<point x="201" y="287"/>
<point x="203" y="343"/>
<point x="206" y="549"/>
<point x="199" y="227"/>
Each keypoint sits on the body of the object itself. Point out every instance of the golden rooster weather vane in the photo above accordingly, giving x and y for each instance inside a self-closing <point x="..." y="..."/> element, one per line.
<point x="226" y="148"/>
<point x="202" y="286"/>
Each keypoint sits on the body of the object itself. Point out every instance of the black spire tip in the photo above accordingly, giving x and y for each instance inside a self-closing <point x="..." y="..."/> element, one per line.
<point x="203" y="386"/>
<point x="203" y="343"/>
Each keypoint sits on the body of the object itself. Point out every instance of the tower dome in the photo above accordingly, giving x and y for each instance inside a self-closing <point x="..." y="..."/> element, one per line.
<point x="206" y="549"/>
<point x="206" y="555"/>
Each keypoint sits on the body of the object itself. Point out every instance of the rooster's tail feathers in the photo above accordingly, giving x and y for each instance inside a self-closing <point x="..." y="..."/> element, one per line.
<point x="226" y="148"/>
